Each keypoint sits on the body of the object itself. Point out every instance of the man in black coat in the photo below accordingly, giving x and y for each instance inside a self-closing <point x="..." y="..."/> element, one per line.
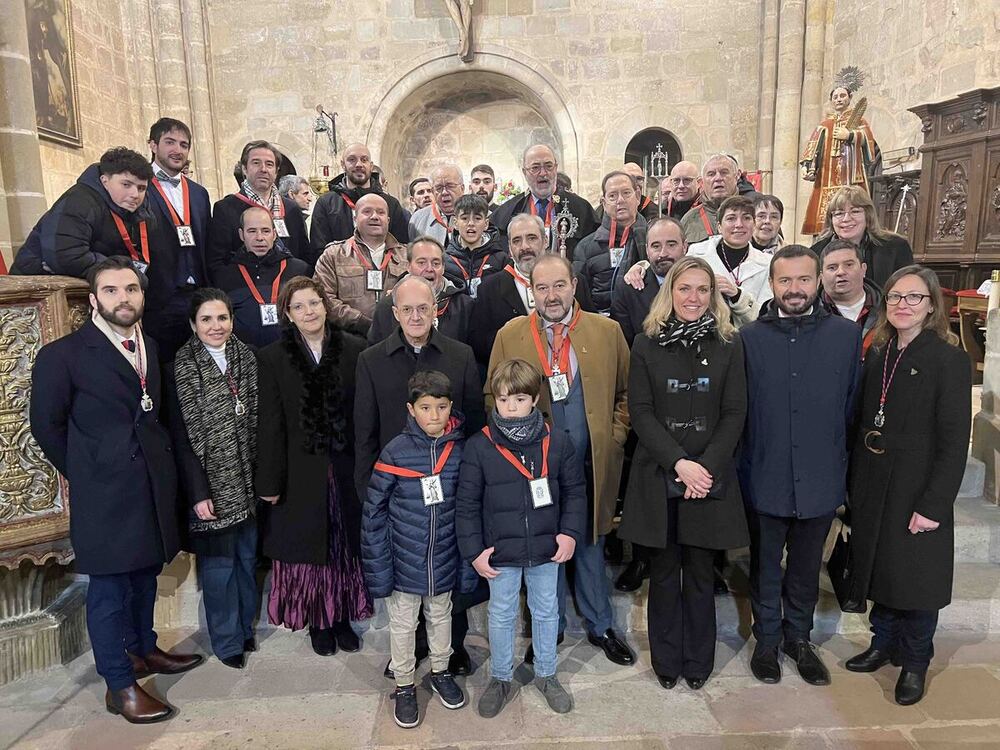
<point x="95" y="403"/>
<point x="260" y="161"/>
<point x="454" y="306"/>
<point x="506" y="295"/>
<point x="333" y="214"/>
<point x="539" y="166"/>
<point x="105" y="213"/>
<point x="803" y="369"/>
<point x="182" y="211"/>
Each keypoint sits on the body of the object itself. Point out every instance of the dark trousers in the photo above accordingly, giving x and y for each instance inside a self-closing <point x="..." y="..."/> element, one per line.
<point x="681" y="611"/>
<point x="460" y="606"/>
<point x="783" y="602"/>
<point x="908" y="633"/>
<point x="120" y="620"/>
<point x="229" y="588"/>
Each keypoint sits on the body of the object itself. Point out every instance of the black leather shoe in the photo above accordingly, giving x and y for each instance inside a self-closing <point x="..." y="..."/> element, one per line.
<point x="870" y="660"/>
<point x="250" y="644"/>
<point x="615" y="648"/>
<point x="666" y="682"/>
<point x="764" y="664"/>
<point x="910" y="687"/>
<point x="696" y="683"/>
<point x="460" y="662"/>
<point x="632" y="577"/>
<point x="811" y="667"/>
<point x="614" y="549"/>
<point x="347" y="639"/>
<point x="323" y="641"/>
<point x="529" y="654"/>
<point x="237" y="661"/>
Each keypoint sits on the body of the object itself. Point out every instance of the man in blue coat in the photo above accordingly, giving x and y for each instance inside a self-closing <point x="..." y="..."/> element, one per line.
<point x="803" y="369"/>
<point x="182" y="211"/>
<point x="95" y="401"/>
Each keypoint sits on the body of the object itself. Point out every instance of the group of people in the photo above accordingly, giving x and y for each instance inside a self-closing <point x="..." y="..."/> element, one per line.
<point x="436" y="409"/>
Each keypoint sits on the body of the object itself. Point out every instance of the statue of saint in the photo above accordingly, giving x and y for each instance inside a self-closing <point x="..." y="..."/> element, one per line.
<point x="841" y="151"/>
<point x="461" y="14"/>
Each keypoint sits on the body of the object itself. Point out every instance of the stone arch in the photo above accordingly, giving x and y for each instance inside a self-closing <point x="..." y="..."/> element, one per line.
<point x="644" y="116"/>
<point x="495" y="74"/>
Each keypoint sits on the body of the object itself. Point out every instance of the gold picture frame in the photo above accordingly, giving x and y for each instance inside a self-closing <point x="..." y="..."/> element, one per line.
<point x="53" y="71"/>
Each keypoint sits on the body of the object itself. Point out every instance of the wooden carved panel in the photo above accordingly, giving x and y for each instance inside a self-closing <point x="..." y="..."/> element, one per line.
<point x="952" y="203"/>
<point x="991" y="210"/>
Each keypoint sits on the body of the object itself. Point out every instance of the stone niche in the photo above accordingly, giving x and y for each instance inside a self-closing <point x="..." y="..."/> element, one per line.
<point x="41" y="603"/>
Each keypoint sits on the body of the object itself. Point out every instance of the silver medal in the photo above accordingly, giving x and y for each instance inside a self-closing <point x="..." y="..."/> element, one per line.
<point x="879" y="419"/>
<point x="240" y="408"/>
<point x="146" y="403"/>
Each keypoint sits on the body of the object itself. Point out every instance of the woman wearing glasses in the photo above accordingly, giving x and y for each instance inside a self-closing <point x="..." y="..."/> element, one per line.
<point x="906" y="468"/>
<point x="850" y="216"/>
<point x="305" y="464"/>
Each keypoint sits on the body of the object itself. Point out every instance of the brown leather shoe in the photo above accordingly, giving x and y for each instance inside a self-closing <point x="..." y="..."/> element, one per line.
<point x="137" y="706"/>
<point x="160" y="662"/>
<point x="139" y="666"/>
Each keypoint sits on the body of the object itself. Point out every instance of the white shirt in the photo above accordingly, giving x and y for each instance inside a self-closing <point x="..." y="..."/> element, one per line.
<point x="851" y="312"/>
<point x="174" y="194"/>
<point x="377" y="253"/>
<point x="523" y="291"/>
<point x="547" y="326"/>
<point x="219" y="355"/>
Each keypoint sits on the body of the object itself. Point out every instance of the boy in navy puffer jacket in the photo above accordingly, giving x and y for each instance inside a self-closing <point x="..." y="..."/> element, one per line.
<point x="409" y="552"/>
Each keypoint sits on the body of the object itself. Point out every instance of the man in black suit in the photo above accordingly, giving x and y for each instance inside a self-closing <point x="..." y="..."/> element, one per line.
<point x="95" y="405"/>
<point x="182" y="210"/>
<point x="506" y="295"/>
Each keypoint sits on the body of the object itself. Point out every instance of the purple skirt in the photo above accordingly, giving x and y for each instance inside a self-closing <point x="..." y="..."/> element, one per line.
<point x="319" y="595"/>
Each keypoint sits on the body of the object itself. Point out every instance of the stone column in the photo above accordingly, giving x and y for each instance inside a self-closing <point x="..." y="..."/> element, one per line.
<point x="813" y="97"/>
<point x="20" y="162"/>
<point x="199" y="87"/>
<point x="986" y="423"/>
<point x="768" y="92"/>
<point x="791" y="42"/>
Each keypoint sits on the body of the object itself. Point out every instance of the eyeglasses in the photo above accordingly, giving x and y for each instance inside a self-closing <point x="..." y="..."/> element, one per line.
<point x="450" y="187"/>
<point x="422" y="310"/>
<point x="855" y="213"/>
<point x="913" y="299"/>
<point x="682" y="180"/>
<point x="548" y="166"/>
<point x="625" y="195"/>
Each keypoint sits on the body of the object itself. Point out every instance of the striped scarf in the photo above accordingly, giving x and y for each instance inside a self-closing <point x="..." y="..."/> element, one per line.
<point x="686" y="333"/>
<point x="273" y="202"/>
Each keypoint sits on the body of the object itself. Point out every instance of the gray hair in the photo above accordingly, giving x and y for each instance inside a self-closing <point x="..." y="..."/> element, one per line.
<point x="290" y="183"/>
<point x="411" y="279"/>
<point x="531" y="218"/>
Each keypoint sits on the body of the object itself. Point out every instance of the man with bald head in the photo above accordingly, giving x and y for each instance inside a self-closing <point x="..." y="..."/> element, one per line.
<point x="333" y="214"/>
<point x="683" y="184"/>
<point x="539" y="166"/>
<point x="357" y="272"/>
<point x="434" y="221"/>
<point x="719" y="180"/>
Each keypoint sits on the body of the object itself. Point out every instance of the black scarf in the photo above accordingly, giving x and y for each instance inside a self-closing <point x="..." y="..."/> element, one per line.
<point x="685" y="333"/>
<point x="321" y="412"/>
<point x="520" y="430"/>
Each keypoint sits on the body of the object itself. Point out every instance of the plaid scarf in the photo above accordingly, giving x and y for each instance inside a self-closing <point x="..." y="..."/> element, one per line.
<point x="273" y="203"/>
<point x="686" y="333"/>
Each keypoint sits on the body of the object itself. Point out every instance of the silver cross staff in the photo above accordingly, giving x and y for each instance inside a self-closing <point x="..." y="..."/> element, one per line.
<point x="566" y="226"/>
<point x="658" y="170"/>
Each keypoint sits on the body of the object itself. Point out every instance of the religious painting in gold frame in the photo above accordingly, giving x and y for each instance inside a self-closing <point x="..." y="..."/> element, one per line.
<point x="53" y="70"/>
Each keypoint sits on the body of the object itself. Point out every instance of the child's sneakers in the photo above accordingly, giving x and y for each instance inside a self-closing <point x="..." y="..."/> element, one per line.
<point x="448" y="691"/>
<point x="406" y="712"/>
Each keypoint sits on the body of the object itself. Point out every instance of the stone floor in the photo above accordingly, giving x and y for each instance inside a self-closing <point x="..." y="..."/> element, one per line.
<point x="290" y="698"/>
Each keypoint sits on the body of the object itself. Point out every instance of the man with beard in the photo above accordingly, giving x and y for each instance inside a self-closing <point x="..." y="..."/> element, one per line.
<point x="620" y="241"/>
<point x="96" y="414"/>
<point x="483" y="182"/>
<point x="684" y="185"/>
<point x="539" y="166"/>
<point x="719" y="177"/>
<point x="182" y="210"/>
<point x="356" y="273"/>
<point x="254" y="279"/>
<point x="803" y="368"/>
<point x="421" y="194"/>
<point x="507" y="295"/>
<point x="585" y="360"/>
<point x="334" y="213"/>
<point x="260" y="161"/>
<point x="435" y="220"/>
<point x="768" y="211"/>
<point x="102" y="215"/>
<point x="454" y="307"/>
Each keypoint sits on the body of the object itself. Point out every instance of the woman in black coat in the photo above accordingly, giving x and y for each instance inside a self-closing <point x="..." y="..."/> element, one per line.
<point x="312" y="525"/>
<point x="906" y="469"/>
<point x="688" y="401"/>
<point x="850" y="215"/>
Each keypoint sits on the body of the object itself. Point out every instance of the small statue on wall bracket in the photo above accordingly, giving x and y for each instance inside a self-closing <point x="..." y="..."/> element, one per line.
<point x="461" y="13"/>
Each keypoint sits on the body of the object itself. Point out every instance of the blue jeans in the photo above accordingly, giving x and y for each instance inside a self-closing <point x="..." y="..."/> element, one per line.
<point x="542" y="584"/>
<point x="120" y="617"/>
<point x="229" y="588"/>
<point x="591" y="587"/>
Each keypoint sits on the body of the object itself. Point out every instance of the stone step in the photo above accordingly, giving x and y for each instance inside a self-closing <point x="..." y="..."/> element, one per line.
<point x="974" y="479"/>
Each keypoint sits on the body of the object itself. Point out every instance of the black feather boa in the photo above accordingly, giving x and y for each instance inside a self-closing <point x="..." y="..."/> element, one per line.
<point x="321" y="412"/>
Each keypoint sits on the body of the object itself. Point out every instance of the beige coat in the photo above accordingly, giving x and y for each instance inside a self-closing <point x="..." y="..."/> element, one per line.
<point x="345" y="281"/>
<point x="603" y="359"/>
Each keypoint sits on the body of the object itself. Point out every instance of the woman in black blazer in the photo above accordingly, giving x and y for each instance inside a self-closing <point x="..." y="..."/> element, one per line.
<point x="850" y="215"/>
<point x="906" y="468"/>
<point x="305" y="468"/>
<point x="688" y="401"/>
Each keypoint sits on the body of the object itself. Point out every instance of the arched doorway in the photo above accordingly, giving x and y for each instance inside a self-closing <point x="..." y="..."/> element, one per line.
<point x="647" y="142"/>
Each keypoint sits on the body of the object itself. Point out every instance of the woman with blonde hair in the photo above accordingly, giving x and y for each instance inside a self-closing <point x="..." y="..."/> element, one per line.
<point x="850" y="215"/>
<point x="687" y="399"/>
<point x="906" y="468"/>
